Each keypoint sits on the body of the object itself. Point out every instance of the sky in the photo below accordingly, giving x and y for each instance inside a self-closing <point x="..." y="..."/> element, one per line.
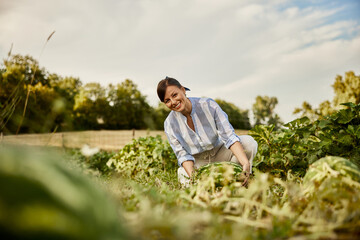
<point x="234" y="50"/>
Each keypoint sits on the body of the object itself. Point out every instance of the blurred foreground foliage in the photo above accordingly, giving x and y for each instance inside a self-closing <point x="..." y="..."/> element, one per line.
<point x="42" y="198"/>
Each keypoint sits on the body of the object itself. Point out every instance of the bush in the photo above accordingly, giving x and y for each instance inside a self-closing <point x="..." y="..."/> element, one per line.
<point x="302" y="142"/>
<point x="94" y="164"/>
<point x="145" y="160"/>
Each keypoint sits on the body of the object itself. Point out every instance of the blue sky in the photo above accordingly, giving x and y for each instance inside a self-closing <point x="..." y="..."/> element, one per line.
<point x="228" y="49"/>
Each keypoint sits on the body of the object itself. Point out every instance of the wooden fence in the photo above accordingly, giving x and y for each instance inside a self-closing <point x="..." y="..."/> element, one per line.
<point x="103" y="139"/>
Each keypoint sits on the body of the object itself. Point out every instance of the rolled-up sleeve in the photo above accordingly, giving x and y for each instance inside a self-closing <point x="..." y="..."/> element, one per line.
<point x="181" y="154"/>
<point x="225" y="129"/>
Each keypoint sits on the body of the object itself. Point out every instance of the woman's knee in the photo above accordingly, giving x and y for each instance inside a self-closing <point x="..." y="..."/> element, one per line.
<point x="182" y="173"/>
<point x="183" y="177"/>
<point x="249" y="143"/>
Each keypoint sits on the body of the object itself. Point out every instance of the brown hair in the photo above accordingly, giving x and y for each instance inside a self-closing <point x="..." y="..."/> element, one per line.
<point x="163" y="84"/>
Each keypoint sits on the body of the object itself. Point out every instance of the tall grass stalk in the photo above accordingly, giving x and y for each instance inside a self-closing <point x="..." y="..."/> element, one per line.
<point x="32" y="80"/>
<point x="11" y="103"/>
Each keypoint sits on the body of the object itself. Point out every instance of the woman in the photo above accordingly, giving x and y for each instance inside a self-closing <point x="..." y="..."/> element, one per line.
<point x="199" y="132"/>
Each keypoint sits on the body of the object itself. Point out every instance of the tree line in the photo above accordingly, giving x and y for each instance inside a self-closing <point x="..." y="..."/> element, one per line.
<point x="33" y="100"/>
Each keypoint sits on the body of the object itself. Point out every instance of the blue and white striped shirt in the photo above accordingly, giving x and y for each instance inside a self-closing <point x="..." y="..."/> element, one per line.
<point x="212" y="128"/>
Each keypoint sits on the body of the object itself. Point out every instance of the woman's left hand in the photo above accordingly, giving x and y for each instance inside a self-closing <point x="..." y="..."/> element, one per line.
<point x="246" y="172"/>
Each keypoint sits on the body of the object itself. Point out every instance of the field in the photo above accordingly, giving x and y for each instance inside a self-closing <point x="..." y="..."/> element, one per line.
<point x="306" y="185"/>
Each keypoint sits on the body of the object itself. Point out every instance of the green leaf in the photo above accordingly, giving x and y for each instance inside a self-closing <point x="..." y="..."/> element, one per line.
<point x="349" y="104"/>
<point x="323" y="123"/>
<point x="345" y="116"/>
<point x="313" y="139"/>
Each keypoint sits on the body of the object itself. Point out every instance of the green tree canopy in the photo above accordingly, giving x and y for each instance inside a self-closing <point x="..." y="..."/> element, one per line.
<point x="263" y="110"/>
<point x="90" y="107"/>
<point x="19" y="76"/>
<point x="347" y="89"/>
<point x="160" y="114"/>
<point x="238" y="118"/>
<point x="129" y="107"/>
<point x="63" y="103"/>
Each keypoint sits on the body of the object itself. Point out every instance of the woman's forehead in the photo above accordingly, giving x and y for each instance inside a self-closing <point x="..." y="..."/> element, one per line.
<point x="170" y="90"/>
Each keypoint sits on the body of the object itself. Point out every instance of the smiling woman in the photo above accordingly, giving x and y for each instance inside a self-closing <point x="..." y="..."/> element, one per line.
<point x="199" y="132"/>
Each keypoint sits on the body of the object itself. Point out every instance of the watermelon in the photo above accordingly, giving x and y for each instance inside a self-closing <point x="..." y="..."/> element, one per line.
<point x="224" y="173"/>
<point x="327" y="168"/>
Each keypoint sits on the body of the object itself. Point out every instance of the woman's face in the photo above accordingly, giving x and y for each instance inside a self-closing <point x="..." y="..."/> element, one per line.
<point x="175" y="98"/>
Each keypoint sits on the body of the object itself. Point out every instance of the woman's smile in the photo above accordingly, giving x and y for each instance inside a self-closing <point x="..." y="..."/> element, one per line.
<point x="178" y="106"/>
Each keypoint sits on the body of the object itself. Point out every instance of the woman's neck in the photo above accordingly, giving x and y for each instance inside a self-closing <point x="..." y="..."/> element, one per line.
<point x="188" y="108"/>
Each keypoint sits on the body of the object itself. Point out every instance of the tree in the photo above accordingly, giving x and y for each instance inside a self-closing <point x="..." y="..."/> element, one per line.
<point x="346" y="90"/>
<point x="67" y="88"/>
<point x="62" y="103"/>
<point x="159" y="116"/>
<point x="263" y="110"/>
<point x="48" y="98"/>
<point x="238" y="118"/>
<point x="91" y="106"/>
<point x="129" y="107"/>
<point x="307" y="110"/>
<point x="45" y="110"/>
<point x="20" y="74"/>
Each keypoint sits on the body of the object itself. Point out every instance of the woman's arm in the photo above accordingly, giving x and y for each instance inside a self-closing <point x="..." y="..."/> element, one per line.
<point x="239" y="153"/>
<point x="189" y="167"/>
<point x="181" y="154"/>
<point x="224" y="128"/>
<point x="228" y="136"/>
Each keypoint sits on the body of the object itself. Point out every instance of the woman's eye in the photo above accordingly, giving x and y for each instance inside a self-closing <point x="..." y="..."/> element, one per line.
<point x="175" y="95"/>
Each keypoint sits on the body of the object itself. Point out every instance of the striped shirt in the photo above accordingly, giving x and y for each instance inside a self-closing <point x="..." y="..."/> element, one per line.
<point x="212" y="128"/>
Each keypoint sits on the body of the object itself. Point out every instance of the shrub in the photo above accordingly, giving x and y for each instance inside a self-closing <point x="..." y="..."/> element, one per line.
<point x="302" y="142"/>
<point x="145" y="160"/>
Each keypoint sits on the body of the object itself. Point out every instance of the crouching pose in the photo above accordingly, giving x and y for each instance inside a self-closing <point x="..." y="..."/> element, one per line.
<point x="199" y="132"/>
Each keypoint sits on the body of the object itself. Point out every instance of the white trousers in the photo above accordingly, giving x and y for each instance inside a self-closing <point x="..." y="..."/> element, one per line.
<point x="221" y="154"/>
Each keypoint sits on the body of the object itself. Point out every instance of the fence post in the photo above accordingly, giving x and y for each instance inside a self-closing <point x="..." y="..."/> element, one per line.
<point x="1" y="137"/>
<point x="133" y="133"/>
<point x="62" y="140"/>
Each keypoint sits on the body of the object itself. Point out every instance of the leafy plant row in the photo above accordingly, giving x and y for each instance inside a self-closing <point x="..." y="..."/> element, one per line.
<point x="302" y="142"/>
<point x="146" y="160"/>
